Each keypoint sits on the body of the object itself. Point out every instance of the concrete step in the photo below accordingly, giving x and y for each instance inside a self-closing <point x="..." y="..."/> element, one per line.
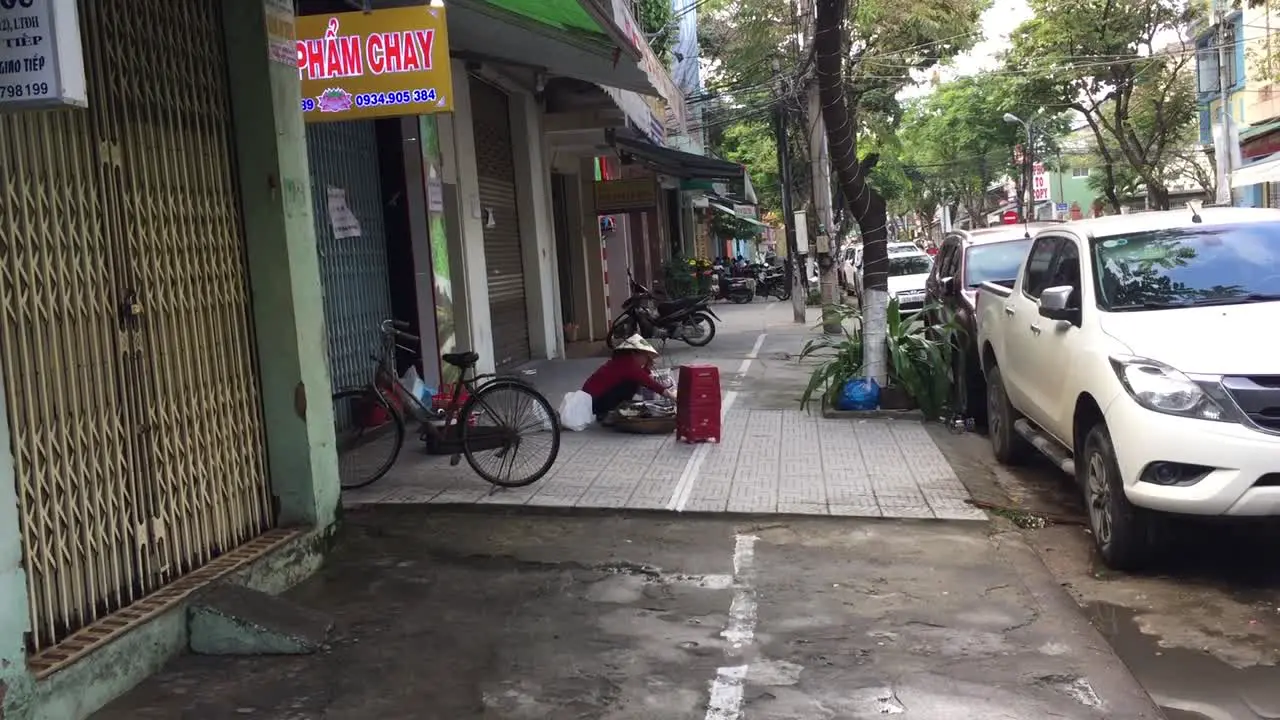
<point x="230" y="619"/>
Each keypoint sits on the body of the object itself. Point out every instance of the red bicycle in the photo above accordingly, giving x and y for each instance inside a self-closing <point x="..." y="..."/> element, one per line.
<point x="504" y="427"/>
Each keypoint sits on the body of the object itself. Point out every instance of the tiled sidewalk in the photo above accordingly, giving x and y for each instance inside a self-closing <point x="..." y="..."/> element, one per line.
<point x="770" y="461"/>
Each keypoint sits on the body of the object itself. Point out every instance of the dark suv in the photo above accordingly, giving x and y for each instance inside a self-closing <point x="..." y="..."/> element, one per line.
<point x="965" y="260"/>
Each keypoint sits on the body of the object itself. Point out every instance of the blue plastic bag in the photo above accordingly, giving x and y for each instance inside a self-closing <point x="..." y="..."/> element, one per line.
<point x="859" y="394"/>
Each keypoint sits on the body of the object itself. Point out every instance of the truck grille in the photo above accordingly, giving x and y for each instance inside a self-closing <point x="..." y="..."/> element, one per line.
<point x="1258" y="397"/>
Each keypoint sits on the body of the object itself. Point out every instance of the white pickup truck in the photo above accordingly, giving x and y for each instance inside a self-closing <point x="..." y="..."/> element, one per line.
<point x="1141" y="353"/>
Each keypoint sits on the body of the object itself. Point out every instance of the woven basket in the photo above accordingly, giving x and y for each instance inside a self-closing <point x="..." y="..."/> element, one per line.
<point x="646" y="426"/>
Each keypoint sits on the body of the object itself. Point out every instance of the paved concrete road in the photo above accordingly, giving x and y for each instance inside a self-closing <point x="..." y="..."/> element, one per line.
<point x="1200" y="630"/>
<point x="524" y="617"/>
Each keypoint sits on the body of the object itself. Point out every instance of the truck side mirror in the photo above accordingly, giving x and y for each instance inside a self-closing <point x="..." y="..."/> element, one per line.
<point x="1053" y="304"/>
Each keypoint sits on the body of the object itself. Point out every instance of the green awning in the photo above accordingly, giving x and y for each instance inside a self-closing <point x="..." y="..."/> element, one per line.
<point x="731" y="213"/>
<point x="561" y="14"/>
<point x="1255" y="130"/>
<point x="558" y="37"/>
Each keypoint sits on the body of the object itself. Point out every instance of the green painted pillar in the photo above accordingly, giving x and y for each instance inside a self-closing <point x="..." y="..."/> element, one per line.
<point x="284" y="270"/>
<point x="15" y="681"/>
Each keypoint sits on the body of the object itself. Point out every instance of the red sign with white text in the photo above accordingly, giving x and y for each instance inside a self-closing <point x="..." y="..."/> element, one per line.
<point x="1009" y="217"/>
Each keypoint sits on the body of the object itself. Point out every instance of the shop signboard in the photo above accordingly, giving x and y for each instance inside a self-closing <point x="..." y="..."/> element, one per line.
<point x="1040" y="182"/>
<point x="282" y="39"/>
<point x="41" y="56"/>
<point x="615" y="196"/>
<point x="384" y="63"/>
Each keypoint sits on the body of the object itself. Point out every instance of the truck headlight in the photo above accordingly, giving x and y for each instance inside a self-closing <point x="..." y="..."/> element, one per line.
<point x="1163" y="389"/>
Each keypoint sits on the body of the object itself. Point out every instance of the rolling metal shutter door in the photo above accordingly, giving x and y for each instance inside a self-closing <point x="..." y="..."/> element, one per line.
<point x="495" y="165"/>
<point x="357" y="295"/>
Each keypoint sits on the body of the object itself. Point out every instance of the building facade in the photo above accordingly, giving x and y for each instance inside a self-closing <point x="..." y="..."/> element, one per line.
<point x="193" y="263"/>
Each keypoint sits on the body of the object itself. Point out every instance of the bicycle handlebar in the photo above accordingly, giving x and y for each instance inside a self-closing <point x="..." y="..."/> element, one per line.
<point x="395" y="327"/>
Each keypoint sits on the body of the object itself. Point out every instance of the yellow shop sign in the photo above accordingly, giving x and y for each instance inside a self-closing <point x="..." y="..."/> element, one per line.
<point x="385" y="63"/>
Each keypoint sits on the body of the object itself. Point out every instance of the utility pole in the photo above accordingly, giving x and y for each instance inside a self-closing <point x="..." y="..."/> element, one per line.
<point x="798" y="296"/>
<point x="1223" y="140"/>
<point x="820" y="170"/>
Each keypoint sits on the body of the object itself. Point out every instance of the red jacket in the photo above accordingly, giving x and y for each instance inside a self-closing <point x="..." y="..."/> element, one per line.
<point x="618" y="370"/>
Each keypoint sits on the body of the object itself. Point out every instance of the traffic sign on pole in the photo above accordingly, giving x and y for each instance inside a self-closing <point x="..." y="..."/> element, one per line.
<point x="1009" y="217"/>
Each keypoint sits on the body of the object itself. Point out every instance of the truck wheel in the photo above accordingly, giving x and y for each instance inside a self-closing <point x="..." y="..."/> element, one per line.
<point x="1122" y="532"/>
<point x="1006" y="443"/>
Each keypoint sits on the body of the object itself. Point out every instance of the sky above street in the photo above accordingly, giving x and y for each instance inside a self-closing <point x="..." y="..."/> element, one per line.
<point x="997" y="23"/>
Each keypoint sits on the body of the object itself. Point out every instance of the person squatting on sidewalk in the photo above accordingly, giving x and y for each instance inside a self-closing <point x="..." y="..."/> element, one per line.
<point x="622" y="376"/>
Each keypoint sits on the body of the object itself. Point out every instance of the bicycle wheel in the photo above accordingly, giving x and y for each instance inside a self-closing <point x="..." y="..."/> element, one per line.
<point x="510" y="433"/>
<point x="370" y="434"/>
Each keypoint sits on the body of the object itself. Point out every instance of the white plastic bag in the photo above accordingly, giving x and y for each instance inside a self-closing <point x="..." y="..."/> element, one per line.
<point x="575" y="411"/>
<point x="412" y="384"/>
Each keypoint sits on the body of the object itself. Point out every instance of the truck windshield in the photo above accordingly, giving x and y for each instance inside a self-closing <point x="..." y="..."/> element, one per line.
<point x="909" y="265"/>
<point x="997" y="262"/>
<point x="1181" y="267"/>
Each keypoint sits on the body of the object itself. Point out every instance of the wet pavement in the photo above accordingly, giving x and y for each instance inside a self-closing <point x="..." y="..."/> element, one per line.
<point x="1200" y="629"/>
<point x="1189" y="684"/>
<point x="513" y="614"/>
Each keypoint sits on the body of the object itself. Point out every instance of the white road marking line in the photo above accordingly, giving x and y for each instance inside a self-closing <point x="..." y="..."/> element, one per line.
<point x="726" y="693"/>
<point x="689" y="476"/>
<point x="726" y="696"/>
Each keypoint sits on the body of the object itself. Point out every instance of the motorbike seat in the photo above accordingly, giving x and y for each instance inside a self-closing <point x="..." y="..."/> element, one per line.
<point x="670" y="306"/>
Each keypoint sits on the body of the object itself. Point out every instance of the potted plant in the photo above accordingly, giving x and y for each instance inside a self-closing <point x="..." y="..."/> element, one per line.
<point x="840" y="358"/>
<point x="919" y="361"/>
<point x="918" y="355"/>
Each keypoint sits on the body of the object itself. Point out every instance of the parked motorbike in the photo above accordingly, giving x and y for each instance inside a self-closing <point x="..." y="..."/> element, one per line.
<point x="773" y="282"/>
<point x="686" y="319"/>
<point x="735" y="290"/>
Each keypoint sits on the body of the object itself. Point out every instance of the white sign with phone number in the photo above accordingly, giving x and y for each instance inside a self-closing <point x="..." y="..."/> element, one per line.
<point x="41" y="58"/>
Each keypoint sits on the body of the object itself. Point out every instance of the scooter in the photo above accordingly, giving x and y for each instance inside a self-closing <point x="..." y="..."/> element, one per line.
<point x="736" y="290"/>
<point x="687" y="319"/>
<point x="773" y="282"/>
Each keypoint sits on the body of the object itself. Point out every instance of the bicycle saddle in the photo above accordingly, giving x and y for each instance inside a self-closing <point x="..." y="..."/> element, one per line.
<point x="461" y="359"/>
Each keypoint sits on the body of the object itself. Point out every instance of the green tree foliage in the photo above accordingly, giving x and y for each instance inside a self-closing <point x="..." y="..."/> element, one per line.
<point x="1101" y="58"/>
<point x="958" y="144"/>
<point x="750" y="142"/>
<point x="727" y="227"/>
<point x="658" y="21"/>
<point x="743" y="39"/>
<point x="864" y="54"/>
<point x="1168" y="112"/>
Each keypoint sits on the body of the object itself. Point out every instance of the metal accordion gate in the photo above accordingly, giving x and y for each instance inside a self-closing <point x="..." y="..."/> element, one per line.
<point x="126" y="348"/>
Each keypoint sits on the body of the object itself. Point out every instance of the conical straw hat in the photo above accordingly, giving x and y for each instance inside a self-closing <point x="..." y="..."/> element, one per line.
<point x="638" y="344"/>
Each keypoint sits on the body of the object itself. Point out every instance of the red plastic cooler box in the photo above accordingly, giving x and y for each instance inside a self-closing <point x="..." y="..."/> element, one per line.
<point x="698" y="404"/>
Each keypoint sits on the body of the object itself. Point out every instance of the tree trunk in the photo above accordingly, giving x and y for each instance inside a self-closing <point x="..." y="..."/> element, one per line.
<point x="1158" y="195"/>
<point x="865" y="204"/>
<point x="1108" y="164"/>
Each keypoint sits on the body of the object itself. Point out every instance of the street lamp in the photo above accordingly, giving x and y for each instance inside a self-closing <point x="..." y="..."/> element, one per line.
<point x="1029" y="208"/>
